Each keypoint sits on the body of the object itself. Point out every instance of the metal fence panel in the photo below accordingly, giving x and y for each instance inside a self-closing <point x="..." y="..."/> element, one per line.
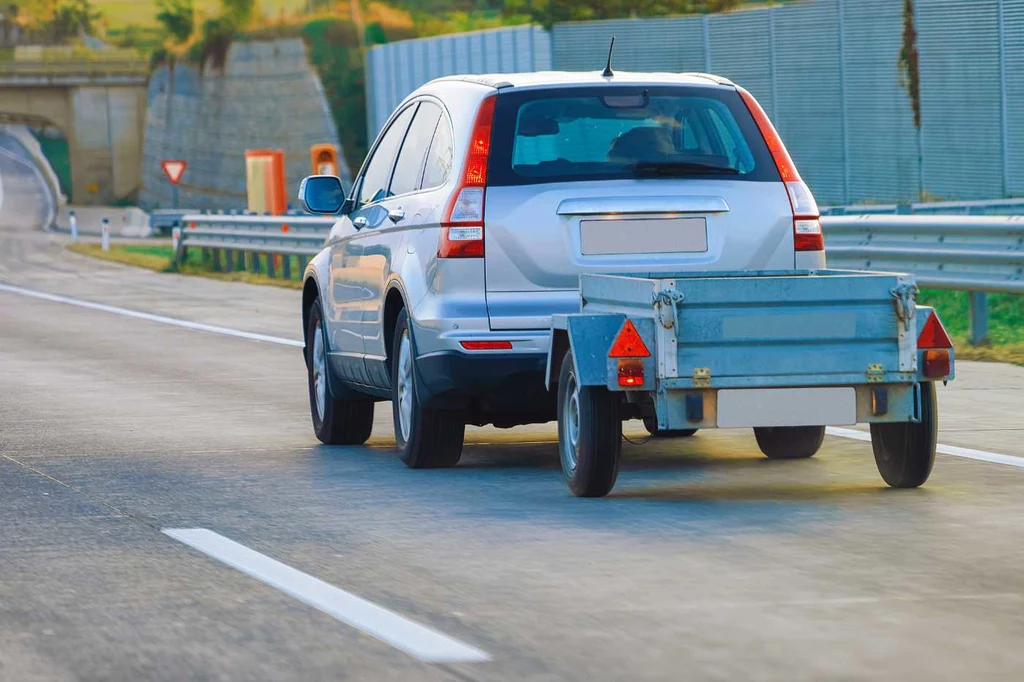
<point x="672" y="44"/>
<point x="960" y="112"/>
<point x="1013" y="78"/>
<point x="809" y="98"/>
<point x="396" y="69"/>
<point x="741" y="49"/>
<point x="881" y="137"/>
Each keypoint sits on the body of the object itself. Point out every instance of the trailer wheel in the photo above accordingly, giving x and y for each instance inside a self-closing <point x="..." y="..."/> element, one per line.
<point x="589" y="434"/>
<point x="652" y="428"/>
<point x="905" y="451"/>
<point x="789" y="442"/>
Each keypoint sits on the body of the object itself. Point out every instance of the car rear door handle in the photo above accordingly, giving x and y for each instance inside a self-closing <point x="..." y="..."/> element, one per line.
<point x="396" y="215"/>
<point x="360" y="222"/>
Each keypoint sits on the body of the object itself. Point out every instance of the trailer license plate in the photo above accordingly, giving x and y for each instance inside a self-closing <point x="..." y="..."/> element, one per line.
<point x="832" y="406"/>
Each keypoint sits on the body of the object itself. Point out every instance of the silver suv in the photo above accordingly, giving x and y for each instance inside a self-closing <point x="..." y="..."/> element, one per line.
<point x="482" y="201"/>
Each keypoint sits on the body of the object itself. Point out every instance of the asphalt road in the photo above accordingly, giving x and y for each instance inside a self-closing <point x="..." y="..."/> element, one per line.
<point x="708" y="562"/>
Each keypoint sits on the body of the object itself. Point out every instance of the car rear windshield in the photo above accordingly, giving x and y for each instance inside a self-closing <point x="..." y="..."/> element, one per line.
<point x="616" y="132"/>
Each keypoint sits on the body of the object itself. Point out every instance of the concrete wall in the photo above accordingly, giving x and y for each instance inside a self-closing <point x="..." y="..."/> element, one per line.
<point x="267" y="97"/>
<point x="103" y="126"/>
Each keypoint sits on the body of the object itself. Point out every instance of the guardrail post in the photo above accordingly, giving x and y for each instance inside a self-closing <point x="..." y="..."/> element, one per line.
<point x="215" y="254"/>
<point x="286" y="266"/>
<point x="978" y="318"/>
<point x="271" y="270"/>
<point x="229" y="260"/>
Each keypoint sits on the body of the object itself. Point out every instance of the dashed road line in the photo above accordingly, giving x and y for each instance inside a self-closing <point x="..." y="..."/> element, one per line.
<point x="414" y="639"/>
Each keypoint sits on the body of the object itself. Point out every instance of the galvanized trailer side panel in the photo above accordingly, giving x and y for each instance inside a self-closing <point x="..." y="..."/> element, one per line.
<point x="769" y="329"/>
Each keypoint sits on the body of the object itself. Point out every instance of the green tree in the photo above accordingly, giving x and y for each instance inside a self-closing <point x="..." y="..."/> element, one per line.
<point x="178" y="18"/>
<point x="238" y="11"/>
<point x="72" y="18"/>
<point x="549" y="12"/>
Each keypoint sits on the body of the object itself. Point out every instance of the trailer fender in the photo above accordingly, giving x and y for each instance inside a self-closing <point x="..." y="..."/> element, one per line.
<point x="589" y="337"/>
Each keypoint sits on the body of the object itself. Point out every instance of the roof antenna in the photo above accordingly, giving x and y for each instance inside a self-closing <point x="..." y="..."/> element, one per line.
<point x="608" y="68"/>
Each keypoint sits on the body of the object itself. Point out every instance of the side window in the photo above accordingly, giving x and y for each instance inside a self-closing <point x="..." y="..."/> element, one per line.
<point x="440" y="156"/>
<point x="414" y="149"/>
<point x="377" y="177"/>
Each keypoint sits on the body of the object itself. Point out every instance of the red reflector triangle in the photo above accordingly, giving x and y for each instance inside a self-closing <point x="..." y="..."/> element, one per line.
<point x="933" y="336"/>
<point x="628" y="344"/>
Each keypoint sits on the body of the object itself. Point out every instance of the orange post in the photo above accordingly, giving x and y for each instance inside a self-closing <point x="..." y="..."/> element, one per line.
<point x="266" y="183"/>
<point x="325" y="159"/>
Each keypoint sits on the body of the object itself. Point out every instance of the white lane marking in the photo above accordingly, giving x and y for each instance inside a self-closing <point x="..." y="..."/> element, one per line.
<point x="414" y="639"/>
<point x="952" y="450"/>
<point x="197" y="326"/>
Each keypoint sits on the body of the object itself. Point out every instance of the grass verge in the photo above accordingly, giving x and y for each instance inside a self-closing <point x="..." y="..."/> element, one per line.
<point x="160" y="258"/>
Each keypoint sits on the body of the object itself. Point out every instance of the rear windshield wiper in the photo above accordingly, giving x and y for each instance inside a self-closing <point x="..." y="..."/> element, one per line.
<point x="676" y="168"/>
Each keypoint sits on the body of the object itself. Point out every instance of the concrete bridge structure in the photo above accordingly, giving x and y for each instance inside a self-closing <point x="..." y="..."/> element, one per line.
<point x="100" y="107"/>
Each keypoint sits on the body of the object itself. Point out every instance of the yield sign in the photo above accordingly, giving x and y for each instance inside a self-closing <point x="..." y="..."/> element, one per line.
<point x="174" y="170"/>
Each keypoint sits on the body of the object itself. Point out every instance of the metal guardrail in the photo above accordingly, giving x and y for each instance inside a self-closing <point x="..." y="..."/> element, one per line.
<point x="992" y="207"/>
<point x="978" y="254"/>
<point x="967" y="253"/>
<point x="254" y="243"/>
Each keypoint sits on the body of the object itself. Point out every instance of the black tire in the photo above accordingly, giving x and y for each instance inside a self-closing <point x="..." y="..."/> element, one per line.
<point x="434" y="438"/>
<point x="905" y="451"/>
<point x="789" y="442"/>
<point x="652" y="428"/>
<point x="337" y="422"/>
<point x="592" y="465"/>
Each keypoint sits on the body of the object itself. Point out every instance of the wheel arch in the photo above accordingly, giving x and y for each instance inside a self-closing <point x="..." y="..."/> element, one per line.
<point x="394" y="303"/>
<point x="310" y="292"/>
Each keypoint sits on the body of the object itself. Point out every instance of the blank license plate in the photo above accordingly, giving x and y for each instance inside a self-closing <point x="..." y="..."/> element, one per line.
<point x="787" y="407"/>
<point x="643" y="235"/>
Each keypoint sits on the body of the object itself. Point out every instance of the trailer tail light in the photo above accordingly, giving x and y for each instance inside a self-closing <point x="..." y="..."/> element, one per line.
<point x="631" y="373"/>
<point x="935" y="343"/>
<point x="936" y="364"/>
<point x="486" y="345"/>
<point x="628" y="344"/>
<point x="806" y="226"/>
<point x="462" y="230"/>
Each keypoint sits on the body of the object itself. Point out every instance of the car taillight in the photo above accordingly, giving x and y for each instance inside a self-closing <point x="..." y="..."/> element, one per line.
<point x="462" y="230"/>
<point x="806" y="224"/>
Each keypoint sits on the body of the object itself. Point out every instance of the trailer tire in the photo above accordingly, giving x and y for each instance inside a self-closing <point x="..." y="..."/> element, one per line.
<point x="905" y="451"/>
<point x="589" y="434"/>
<point x="789" y="442"/>
<point x="652" y="428"/>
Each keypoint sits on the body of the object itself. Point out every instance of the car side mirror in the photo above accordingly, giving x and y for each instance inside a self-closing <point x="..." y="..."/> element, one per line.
<point x="322" y="194"/>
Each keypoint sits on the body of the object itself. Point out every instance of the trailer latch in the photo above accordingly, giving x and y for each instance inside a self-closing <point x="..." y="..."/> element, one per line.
<point x="904" y="299"/>
<point x="665" y="302"/>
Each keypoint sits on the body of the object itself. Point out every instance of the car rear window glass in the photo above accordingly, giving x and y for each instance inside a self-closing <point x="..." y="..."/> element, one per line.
<point x="613" y="132"/>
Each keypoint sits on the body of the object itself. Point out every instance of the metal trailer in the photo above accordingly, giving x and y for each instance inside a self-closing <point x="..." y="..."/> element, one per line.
<point x="785" y="353"/>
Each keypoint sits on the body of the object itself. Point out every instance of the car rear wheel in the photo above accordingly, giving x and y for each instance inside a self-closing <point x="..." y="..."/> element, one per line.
<point x="335" y="422"/>
<point x="426" y="439"/>
<point x="589" y="434"/>
<point x="905" y="451"/>
<point x="789" y="442"/>
<point x="652" y="428"/>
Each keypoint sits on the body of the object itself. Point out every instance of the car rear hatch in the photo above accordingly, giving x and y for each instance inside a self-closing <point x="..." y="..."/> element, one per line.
<point x="624" y="179"/>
